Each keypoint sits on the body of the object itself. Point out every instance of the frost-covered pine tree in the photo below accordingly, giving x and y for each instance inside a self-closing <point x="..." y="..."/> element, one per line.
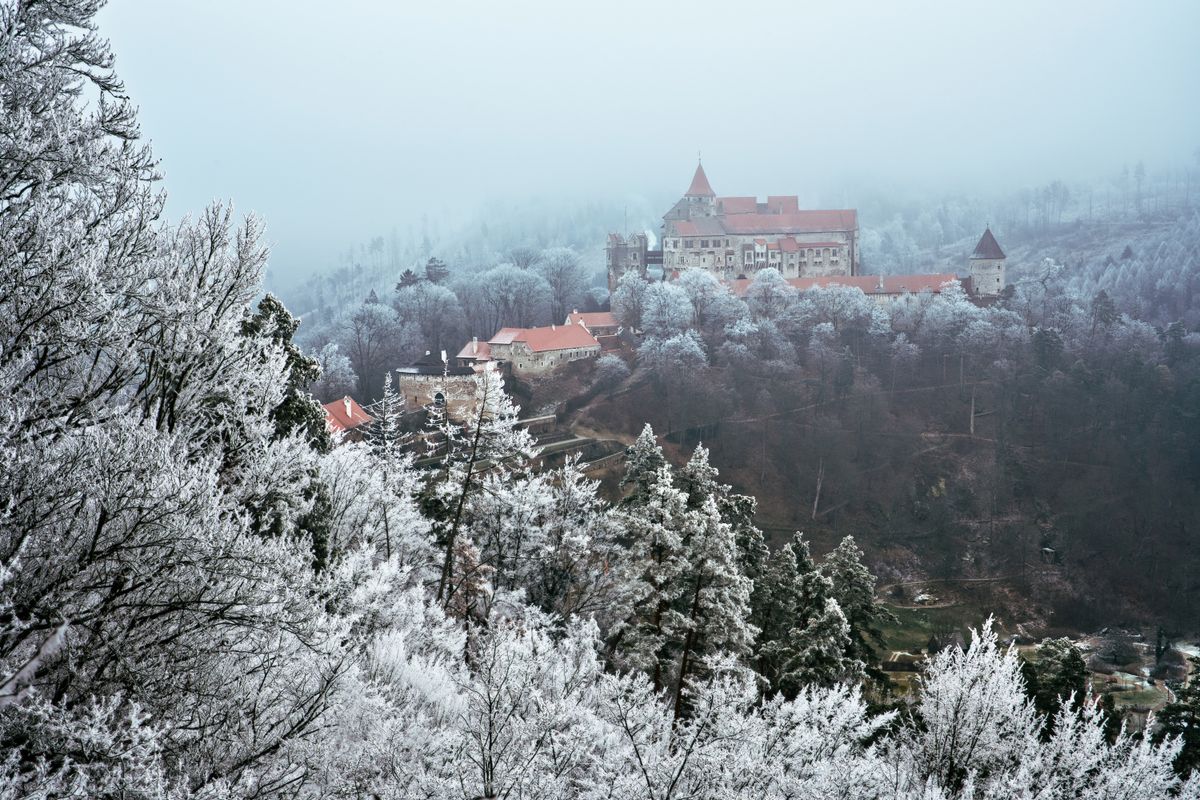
<point x="643" y="460"/>
<point x="853" y="587"/>
<point x="804" y="638"/>
<point x="650" y="594"/>
<point x="716" y="598"/>
<point x="699" y="479"/>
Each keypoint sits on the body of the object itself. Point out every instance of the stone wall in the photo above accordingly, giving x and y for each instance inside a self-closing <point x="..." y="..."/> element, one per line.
<point x="422" y="391"/>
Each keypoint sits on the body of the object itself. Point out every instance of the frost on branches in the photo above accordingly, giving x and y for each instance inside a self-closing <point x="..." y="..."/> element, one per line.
<point x="200" y="598"/>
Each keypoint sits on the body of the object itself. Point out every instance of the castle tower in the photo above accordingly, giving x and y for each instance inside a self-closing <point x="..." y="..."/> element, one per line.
<point x="987" y="267"/>
<point x="700" y="198"/>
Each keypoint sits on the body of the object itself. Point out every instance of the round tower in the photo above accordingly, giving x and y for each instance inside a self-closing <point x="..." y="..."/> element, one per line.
<point x="987" y="266"/>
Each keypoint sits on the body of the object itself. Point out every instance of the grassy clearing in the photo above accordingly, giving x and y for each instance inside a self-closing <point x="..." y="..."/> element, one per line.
<point x="914" y="626"/>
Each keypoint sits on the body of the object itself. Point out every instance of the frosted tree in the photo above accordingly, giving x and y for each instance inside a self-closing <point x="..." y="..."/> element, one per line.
<point x="651" y="625"/>
<point x="336" y="378"/>
<point x="629" y="300"/>
<point x="666" y="311"/>
<point x="716" y="599"/>
<point x="491" y="442"/>
<point x="976" y="720"/>
<point x="698" y="479"/>
<point x="853" y="587"/>
<point x="768" y="294"/>
<point x="643" y="461"/>
<point x="549" y="537"/>
<point x="151" y="502"/>
<point x="527" y="729"/>
<point x="804" y="638"/>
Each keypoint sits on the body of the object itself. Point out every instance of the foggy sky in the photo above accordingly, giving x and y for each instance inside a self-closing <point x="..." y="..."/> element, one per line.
<point x="338" y="120"/>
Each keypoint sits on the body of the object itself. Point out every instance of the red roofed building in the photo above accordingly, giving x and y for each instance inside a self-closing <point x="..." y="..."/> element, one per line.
<point x="598" y="323"/>
<point x="346" y="417"/>
<point x="883" y="288"/>
<point x="737" y="236"/>
<point x="531" y="351"/>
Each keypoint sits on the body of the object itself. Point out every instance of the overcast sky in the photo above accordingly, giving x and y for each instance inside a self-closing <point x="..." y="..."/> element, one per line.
<point x="338" y="120"/>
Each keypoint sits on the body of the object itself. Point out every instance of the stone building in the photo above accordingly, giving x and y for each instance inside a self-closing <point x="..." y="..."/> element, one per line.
<point x="987" y="267"/>
<point x="734" y="237"/>
<point x="531" y="351"/>
<point x="431" y="381"/>
<point x="624" y="254"/>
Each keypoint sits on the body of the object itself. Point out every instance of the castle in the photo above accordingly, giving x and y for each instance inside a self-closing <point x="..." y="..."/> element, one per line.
<point x="734" y="237"/>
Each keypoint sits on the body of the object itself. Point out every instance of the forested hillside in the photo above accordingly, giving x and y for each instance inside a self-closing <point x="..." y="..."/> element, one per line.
<point x="1046" y="438"/>
<point x="204" y="594"/>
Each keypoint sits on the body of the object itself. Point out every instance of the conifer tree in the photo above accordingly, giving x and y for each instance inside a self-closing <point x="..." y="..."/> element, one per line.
<point x="699" y="479"/>
<point x="804" y="638"/>
<point x="298" y="411"/>
<point x="654" y="562"/>
<point x="643" y="459"/>
<point x="853" y="586"/>
<point x="717" y="597"/>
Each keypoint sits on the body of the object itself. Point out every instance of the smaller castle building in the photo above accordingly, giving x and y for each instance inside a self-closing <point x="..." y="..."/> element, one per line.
<point x="531" y="351"/>
<point x="986" y="265"/>
<point x="432" y="381"/>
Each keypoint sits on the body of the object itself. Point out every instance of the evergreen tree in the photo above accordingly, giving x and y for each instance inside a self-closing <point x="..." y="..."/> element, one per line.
<point x="853" y="586"/>
<point x="436" y="270"/>
<point x="655" y="560"/>
<point x="298" y="411"/>
<point x="804" y="638"/>
<point x="408" y="278"/>
<point x="1056" y="676"/>
<point x="698" y="479"/>
<point x="717" y="598"/>
<point x="643" y="461"/>
<point x="1181" y="719"/>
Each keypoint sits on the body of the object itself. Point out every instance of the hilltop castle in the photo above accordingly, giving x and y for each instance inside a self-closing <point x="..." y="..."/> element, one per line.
<point x="734" y="237"/>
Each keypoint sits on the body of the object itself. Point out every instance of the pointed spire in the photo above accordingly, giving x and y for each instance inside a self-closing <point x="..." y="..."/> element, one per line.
<point x="988" y="247"/>
<point x="700" y="187"/>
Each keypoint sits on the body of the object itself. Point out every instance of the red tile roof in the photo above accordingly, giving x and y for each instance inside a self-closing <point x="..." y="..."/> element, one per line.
<point x="700" y="187"/>
<point x="788" y="245"/>
<point x="345" y="414"/>
<point x="476" y="350"/>
<point x="737" y="205"/>
<point x="783" y="204"/>
<point x="506" y="336"/>
<point x="593" y="319"/>
<point x="869" y="284"/>
<point x="795" y="222"/>
<point x="988" y="247"/>
<point x="553" y="337"/>
<point x="746" y="224"/>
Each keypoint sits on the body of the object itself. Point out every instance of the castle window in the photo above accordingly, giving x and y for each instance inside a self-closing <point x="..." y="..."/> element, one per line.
<point x="704" y="242"/>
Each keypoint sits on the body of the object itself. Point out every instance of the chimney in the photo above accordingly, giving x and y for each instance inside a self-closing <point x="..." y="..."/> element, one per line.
<point x="443" y="356"/>
<point x="553" y="327"/>
<point x="474" y="344"/>
<point x="346" y="403"/>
